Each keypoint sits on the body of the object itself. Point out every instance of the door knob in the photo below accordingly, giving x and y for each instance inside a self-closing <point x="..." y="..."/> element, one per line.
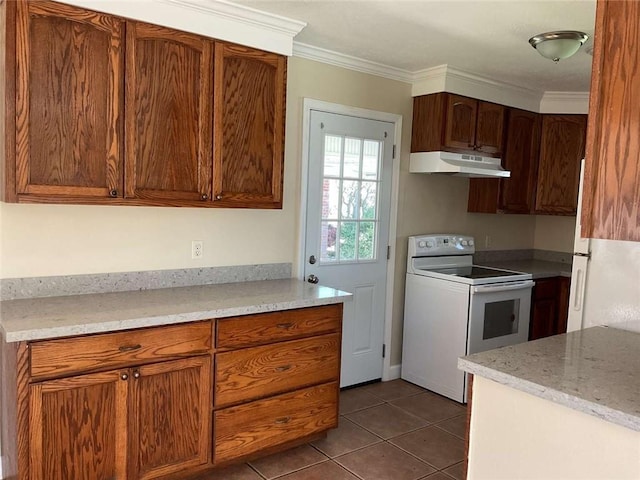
<point x="312" y="279"/>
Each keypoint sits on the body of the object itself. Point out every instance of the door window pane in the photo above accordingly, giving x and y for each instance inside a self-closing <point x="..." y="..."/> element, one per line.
<point x="368" y="199"/>
<point x="350" y="199"/>
<point x="366" y="241"/>
<point x="370" y="160"/>
<point x="330" y="198"/>
<point x="332" y="155"/>
<point x="348" y="238"/>
<point x="352" y="149"/>
<point x="328" y="231"/>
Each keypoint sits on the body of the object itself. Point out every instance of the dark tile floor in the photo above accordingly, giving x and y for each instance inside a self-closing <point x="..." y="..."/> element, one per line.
<point x="388" y="431"/>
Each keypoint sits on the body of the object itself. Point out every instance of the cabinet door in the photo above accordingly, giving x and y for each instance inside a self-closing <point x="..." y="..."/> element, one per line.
<point x="171" y="417"/>
<point x="517" y="193"/>
<point x="169" y="118"/>
<point x="561" y="150"/>
<point x="489" y="129"/>
<point x="461" y="122"/>
<point x="69" y="94"/>
<point x="78" y="427"/>
<point x="612" y="174"/>
<point x="249" y="127"/>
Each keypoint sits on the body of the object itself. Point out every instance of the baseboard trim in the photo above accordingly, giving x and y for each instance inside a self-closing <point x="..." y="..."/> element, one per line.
<point x="393" y="373"/>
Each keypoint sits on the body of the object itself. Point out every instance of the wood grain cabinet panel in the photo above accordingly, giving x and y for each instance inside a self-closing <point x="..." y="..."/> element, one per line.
<point x="169" y="115"/>
<point x="549" y="307"/>
<point x="249" y="127"/>
<point x="171" y="417"/>
<point x="251" y="373"/>
<point x="64" y="356"/>
<point x="262" y="328"/>
<point x="517" y="193"/>
<point x="246" y="429"/>
<point x="69" y="96"/>
<point x="78" y="428"/>
<point x="562" y="142"/>
<point x="489" y="128"/>
<point x="611" y="199"/>
<point x="460" y="130"/>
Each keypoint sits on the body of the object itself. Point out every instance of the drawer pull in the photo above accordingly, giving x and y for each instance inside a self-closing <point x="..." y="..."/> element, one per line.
<point x="129" y="348"/>
<point x="124" y="376"/>
<point x="282" y="420"/>
<point x="285" y="326"/>
<point x="283" y="368"/>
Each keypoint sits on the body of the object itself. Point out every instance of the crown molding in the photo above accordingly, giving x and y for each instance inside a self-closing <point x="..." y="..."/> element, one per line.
<point x="330" y="57"/>
<point x="565" y="102"/>
<point x="219" y="19"/>
<point x="445" y="78"/>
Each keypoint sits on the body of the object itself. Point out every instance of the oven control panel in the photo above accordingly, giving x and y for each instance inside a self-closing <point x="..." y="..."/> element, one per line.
<point x="441" y="244"/>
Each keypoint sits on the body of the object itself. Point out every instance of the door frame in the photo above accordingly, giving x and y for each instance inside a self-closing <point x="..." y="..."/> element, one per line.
<point x="389" y="372"/>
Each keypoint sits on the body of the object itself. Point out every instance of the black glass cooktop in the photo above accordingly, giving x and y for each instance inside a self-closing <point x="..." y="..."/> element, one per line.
<point x="476" y="272"/>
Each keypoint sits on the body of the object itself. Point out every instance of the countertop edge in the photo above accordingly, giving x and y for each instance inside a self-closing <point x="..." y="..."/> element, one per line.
<point x="45" y="333"/>
<point x="570" y="401"/>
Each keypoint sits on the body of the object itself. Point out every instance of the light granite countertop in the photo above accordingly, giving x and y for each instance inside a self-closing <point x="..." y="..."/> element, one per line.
<point x="595" y="371"/>
<point x="537" y="268"/>
<point x="41" y="318"/>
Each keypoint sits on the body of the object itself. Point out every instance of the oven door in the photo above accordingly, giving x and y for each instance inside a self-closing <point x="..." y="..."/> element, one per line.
<point x="499" y="315"/>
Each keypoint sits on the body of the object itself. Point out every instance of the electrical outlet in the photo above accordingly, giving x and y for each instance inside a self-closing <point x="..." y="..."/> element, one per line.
<point x="196" y="249"/>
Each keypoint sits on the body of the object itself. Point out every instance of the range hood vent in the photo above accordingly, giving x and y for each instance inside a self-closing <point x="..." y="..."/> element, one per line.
<point x="459" y="164"/>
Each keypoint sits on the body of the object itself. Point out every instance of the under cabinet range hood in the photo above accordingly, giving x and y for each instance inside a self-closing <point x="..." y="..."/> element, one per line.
<point x="460" y="164"/>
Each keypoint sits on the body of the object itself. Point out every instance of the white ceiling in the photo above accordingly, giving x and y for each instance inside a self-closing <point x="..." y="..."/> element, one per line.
<point x="484" y="37"/>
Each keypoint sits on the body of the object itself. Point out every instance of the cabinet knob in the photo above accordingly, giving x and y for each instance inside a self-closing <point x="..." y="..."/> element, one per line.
<point x="113" y="193"/>
<point x="136" y="374"/>
<point x="204" y="197"/>
<point x="219" y="196"/>
<point x="124" y="376"/>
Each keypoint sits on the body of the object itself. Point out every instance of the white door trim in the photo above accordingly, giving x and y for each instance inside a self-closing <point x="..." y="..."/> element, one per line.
<point x="309" y="104"/>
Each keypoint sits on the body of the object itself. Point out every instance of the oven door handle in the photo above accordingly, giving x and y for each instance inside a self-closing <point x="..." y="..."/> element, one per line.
<point x="503" y="287"/>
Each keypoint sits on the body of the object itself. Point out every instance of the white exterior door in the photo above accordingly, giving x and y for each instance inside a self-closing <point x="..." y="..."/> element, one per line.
<point x="347" y="229"/>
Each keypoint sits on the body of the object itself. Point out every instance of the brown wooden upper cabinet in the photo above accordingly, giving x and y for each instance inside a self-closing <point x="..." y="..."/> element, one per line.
<point x="169" y="114"/>
<point x="249" y="127"/>
<point x="68" y="101"/>
<point x="515" y="194"/>
<point x="562" y="142"/>
<point x="202" y="121"/>
<point x="612" y="175"/>
<point x="444" y="121"/>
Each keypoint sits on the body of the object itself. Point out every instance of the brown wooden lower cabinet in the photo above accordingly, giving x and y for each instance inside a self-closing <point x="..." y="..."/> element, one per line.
<point x="549" y="307"/>
<point x="139" y="404"/>
<point x="246" y="429"/>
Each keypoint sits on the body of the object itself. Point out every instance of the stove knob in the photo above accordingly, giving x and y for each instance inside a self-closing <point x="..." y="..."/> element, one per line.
<point x="422" y="243"/>
<point x="429" y="244"/>
<point x="471" y="243"/>
<point x="464" y="243"/>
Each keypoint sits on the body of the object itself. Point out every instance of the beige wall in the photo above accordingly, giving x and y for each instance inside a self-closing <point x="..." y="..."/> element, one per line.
<point x="554" y="233"/>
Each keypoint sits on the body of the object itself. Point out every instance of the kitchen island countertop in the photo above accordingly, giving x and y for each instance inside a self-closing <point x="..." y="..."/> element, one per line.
<point x="51" y="317"/>
<point x="595" y="371"/>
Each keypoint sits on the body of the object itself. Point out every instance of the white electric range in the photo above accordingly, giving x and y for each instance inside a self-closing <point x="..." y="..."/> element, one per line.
<point x="454" y="308"/>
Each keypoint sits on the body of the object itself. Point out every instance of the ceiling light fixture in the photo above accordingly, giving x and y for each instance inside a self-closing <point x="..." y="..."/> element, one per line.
<point x="558" y="45"/>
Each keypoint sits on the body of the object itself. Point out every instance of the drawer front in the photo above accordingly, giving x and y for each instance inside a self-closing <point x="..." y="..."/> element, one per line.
<point x="251" y="330"/>
<point x="54" y="358"/>
<point x="248" y="428"/>
<point x="256" y="372"/>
